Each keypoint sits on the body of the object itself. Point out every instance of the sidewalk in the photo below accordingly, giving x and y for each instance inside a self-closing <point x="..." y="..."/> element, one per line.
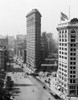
<point x="59" y="93"/>
<point x="62" y="95"/>
<point x="53" y="88"/>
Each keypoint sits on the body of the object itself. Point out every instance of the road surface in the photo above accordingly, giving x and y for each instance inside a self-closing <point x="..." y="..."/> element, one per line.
<point x="27" y="87"/>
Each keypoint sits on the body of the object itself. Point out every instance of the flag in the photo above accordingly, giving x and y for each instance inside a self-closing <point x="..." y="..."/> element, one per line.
<point x="64" y="17"/>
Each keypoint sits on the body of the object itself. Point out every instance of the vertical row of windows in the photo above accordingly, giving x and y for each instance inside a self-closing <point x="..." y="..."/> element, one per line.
<point x="63" y="36"/>
<point x="72" y="57"/>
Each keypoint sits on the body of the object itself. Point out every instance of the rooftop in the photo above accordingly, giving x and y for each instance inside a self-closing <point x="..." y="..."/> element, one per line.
<point x="33" y="11"/>
<point x="72" y="23"/>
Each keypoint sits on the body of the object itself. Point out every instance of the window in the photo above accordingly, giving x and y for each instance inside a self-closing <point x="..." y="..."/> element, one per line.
<point x="73" y="49"/>
<point x="65" y="40"/>
<point x="62" y="56"/>
<point x="65" y="31"/>
<point x="60" y="44"/>
<point x="65" y="44"/>
<point x="74" y="72"/>
<point x="74" y="76"/>
<point x="59" y="39"/>
<point x="74" y="67"/>
<point x="62" y="31"/>
<point x="65" y="35"/>
<point x="65" y="48"/>
<point x="65" y="53"/>
<point x="62" y="40"/>
<point x="59" y="36"/>
<point x="59" y="31"/>
<point x="65" y="57"/>
<point x="73" y="36"/>
<point x="72" y="87"/>
<point x="70" y="81"/>
<point x="72" y="58"/>
<point x="65" y="66"/>
<point x="74" y="81"/>
<point x="65" y="85"/>
<point x="62" y="35"/>
<point x="72" y="40"/>
<point x="72" y="63"/>
<point x="73" y="45"/>
<point x="59" y="56"/>
<point x="70" y="76"/>
<point x="70" y="72"/>
<point x="60" y="52"/>
<point x="60" y="48"/>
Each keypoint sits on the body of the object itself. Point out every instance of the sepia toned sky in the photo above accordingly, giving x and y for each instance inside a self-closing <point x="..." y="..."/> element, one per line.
<point x="13" y="14"/>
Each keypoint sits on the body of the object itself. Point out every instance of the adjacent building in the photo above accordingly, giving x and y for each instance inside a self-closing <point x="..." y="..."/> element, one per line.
<point x="68" y="57"/>
<point x="33" y="47"/>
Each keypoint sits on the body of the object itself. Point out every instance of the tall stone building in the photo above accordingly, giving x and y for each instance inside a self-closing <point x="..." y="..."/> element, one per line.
<point x="33" y="46"/>
<point x="68" y="57"/>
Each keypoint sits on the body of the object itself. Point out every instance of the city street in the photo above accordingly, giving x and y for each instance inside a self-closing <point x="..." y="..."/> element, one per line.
<point x="27" y="87"/>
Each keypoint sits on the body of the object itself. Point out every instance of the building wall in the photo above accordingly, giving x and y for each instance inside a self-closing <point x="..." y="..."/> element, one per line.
<point x="63" y="59"/>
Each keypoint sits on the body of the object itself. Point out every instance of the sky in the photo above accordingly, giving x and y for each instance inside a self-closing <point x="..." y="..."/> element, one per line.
<point x="13" y="14"/>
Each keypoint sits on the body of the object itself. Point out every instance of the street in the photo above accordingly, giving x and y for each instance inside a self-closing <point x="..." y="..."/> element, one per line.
<point x="27" y="87"/>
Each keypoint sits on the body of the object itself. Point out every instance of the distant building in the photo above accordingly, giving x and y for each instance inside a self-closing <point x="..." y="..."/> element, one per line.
<point x="4" y="42"/>
<point x="33" y="46"/>
<point x="3" y="58"/>
<point x="50" y="42"/>
<point x="44" y="45"/>
<point x="20" y="37"/>
<point x="68" y="57"/>
<point x="24" y="56"/>
<point x="11" y="43"/>
<point x="20" y="45"/>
